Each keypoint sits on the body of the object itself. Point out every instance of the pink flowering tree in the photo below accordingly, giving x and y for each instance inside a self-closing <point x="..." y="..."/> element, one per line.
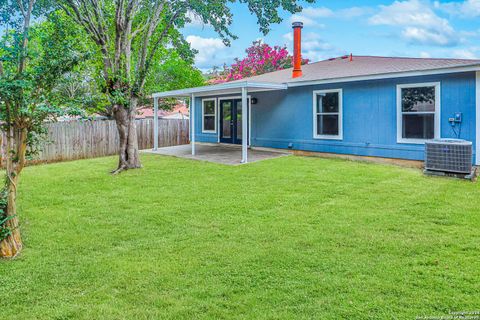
<point x="261" y="58"/>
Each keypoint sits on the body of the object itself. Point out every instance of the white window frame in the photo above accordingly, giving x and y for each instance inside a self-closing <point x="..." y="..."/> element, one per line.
<point x="340" y="115"/>
<point x="209" y="114"/>
<point x="400" y="139"/>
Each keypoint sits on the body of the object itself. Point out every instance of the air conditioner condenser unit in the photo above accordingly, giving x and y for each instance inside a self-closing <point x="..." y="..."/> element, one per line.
<point x="449" y="156"/>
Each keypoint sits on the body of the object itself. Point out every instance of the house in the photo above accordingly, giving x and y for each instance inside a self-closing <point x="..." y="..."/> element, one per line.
<point x="359" y="105"/>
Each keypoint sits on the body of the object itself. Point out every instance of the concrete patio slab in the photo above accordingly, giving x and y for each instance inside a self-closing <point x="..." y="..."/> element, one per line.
<point x="219" y="153"/>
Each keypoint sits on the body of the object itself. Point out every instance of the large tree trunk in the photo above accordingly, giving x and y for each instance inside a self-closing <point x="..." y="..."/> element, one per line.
<point x="12" y="244"/>
<point x="127" y="130"/>
<point x="15" y="161"/>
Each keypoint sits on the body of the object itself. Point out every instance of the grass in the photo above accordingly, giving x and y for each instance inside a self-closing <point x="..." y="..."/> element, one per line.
<point x="289" y="238"/>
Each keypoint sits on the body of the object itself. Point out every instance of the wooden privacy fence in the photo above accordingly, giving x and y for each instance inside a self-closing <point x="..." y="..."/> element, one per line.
<point x="72" y="140"/>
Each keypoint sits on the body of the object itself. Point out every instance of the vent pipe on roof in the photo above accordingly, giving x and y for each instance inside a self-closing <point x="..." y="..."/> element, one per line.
<point x="297" y="49"/>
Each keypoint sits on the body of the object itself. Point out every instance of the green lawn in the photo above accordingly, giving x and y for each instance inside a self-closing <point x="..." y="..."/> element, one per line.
<point x="289" y="238"/>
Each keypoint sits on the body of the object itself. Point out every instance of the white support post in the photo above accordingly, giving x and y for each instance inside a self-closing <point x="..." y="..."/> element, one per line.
<point x="155" y="124"/>
<point x="192" y="117"/>
<point x="244" y="125"/>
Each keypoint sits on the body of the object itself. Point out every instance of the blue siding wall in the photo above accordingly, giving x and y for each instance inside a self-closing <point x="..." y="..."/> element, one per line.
<point x="369" y="117"/>
<point x="199" y="136"/>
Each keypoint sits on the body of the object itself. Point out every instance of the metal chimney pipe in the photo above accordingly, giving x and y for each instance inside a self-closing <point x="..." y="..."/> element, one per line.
<point x="297" y="49"/>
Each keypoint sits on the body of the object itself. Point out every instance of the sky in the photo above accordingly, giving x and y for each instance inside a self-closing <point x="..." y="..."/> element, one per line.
<point x="410" y="28"/>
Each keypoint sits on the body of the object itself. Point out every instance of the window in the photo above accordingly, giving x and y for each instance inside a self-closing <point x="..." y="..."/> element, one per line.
<point x="418" y="112"/>
<point x="327" y="114"/>
<point x="209" y="115"/>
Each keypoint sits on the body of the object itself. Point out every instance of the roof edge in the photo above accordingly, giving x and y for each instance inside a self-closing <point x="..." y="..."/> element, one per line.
<point x="389" y="75"/>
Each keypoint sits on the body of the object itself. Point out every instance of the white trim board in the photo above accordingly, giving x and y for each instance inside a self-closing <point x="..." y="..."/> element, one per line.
<point x="437" y="113"/>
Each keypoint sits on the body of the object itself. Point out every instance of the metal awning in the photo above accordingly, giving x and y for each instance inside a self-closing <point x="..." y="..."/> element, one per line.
<point x="222" y="89"/>
<point x="233" y="87"/>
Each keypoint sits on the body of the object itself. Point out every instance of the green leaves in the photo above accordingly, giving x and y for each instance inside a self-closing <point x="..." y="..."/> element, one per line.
<point x="217" y="13"/>
<point x="171" y="73"/>
<point x="4" y="229"/>
<point x="133" y="53"/>
<point x="33" y="60"/>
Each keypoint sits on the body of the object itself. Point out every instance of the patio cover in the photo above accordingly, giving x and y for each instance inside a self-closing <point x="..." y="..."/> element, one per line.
<point x="222" y="89"/>
<point x="227" y="88"/>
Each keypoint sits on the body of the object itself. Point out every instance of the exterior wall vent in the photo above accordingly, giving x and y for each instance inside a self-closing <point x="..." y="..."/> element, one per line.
<point x="448" y="155"/>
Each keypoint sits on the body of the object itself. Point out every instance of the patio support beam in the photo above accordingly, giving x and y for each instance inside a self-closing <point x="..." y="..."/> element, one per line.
<point x="244" y="125"/>
<point x="155" y="124"/>
<point x="192" y="121"/>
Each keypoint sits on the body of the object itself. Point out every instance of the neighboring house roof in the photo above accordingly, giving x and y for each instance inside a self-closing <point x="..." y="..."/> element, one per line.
<point x="180" y="111"/>
<point x="147" y="112"/>
<point x="78" y="118"/>
<point x="177" y="115"/>
<point x="342" y="67"/>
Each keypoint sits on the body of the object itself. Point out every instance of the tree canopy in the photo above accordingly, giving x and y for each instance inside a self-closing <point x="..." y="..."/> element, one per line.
<point x="32" y="60"/>
<point x="129" y="35"/>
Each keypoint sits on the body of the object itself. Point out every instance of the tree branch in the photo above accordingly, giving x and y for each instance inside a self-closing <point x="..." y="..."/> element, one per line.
<point x="26" y="27"/>
<point x="22" y="8"/>
<point x="143" y="49"/>
<point x="142" y="75"/>
<point x="96" y="34"/>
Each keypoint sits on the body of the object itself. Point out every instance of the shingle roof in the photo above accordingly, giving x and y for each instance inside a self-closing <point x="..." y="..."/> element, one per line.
<point x="342" y="67"/>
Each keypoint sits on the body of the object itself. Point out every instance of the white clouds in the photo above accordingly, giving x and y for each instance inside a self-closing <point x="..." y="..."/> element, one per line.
<point x="353" y="12"/>
<point x="425" y="54"/>
<point x="467" y="8"/>
<point x="311" y="17"/>
<point x="314" y="16"/>
<point x="195" y="20"/>
<point x="425" y="36"/>
<point x="469" y="52"/>
<point x="321" y="12"/>
<point x="410" y="12"/>
<point x="464" y="54"/>
<point x="312" y="41"/>
<point x="419" y="23"/>
<point x="288" y="37"/>
<point x="314" y="47"/>
<point x="207" y="48"/>
<point x="307" y="22"/>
